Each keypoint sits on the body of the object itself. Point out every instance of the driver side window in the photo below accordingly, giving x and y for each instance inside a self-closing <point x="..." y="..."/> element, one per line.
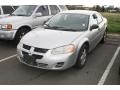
<point x="44" y="10"/>
<point x="93" y="20"/>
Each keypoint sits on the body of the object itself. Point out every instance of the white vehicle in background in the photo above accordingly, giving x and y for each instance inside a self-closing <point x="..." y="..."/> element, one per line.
<point x="25" y="18"/>
<point x="6" y="10"/>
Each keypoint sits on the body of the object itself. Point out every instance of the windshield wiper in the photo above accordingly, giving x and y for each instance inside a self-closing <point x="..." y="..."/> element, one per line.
<point x="52" y="27"/>
<point x="57" y="27"/>
<point x="21" y="15"/>
<point x="61" y="28"/>
<point x="74" y="30"/>
<point x="47" y="25"/>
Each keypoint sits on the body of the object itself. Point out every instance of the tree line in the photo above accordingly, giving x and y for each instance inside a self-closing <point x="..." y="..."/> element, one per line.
<point x="95" y="7"/>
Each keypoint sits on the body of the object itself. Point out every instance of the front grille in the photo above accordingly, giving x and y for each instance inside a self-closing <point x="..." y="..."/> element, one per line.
<point x="26" y="47"/>
<point x="31" y="59"/>
<point x="37" y="56"/>
<point x="40" y="50"/>
<point x="24" y="53"/>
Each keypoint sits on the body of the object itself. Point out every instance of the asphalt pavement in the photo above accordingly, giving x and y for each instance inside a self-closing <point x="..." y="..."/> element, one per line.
<point x="12" y="72"/>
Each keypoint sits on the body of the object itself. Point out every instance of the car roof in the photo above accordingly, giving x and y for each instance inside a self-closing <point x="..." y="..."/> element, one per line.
<point x="87" y="12"/>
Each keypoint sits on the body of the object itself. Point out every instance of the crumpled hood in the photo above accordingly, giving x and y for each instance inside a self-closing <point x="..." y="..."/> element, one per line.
<point x="45" y="38"/>
<point x="12" y="19"/>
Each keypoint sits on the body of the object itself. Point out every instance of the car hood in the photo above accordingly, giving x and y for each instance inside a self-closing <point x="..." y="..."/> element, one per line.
<point x="45" y="38"/>
<point x="12" y="19"/>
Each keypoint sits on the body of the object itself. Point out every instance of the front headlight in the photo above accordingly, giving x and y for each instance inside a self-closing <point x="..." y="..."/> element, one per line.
<point x="6" y="26"/>
<point x="64" y="49"/>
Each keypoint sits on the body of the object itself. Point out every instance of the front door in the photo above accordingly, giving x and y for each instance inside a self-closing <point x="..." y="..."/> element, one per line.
<point x="45" y="16"/>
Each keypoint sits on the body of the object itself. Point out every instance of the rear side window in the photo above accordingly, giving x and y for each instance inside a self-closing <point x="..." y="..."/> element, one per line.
<point x="44" y="10"/>
<point x="54" y="9"/>
<point x="99" y="18"/>
<point x="7" y="9"/>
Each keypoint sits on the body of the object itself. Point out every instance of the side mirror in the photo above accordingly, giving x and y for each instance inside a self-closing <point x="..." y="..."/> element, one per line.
<point x="95" y="26"/>
<point x="38" y="15"/>
<point x="94" y="16"/>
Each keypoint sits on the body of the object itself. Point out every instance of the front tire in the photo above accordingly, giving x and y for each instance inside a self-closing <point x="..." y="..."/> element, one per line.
<point x="21" y="32"/>
<point x="82" y="57"/>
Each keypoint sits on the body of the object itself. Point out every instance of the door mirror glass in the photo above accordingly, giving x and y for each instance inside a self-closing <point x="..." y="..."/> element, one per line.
<point x="95" y="26"/>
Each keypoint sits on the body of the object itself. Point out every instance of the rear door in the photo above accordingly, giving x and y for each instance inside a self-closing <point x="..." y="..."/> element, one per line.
<point x="94" y="33"/>
<point x="101" y="25"/>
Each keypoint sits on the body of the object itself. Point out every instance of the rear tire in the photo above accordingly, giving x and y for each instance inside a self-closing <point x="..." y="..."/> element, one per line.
<point x="82" y="57"/>
<point x="104" y="38"/>
<point x="20" y="33"/>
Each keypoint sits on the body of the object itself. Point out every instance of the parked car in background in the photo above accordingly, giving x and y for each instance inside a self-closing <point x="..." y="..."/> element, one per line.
<point x="25" y="18"/>
<point x="65" y="40"/>
<point x="6" y="10"/>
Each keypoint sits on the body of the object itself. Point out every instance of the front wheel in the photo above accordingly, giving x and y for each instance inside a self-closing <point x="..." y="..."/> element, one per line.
<point x="82" y="57"/>
<point x="20" y="34"/>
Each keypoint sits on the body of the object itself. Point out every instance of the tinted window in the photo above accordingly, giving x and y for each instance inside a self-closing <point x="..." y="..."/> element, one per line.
<point x="7" y="9"/>
<point x="44" y="10"/>
<point x="54" y="9"/>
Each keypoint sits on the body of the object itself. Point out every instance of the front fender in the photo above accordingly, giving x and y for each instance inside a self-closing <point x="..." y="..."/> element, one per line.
<point x="81" y="43"/>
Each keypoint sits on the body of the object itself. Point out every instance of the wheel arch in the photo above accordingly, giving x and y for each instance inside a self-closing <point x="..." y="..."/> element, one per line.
<point x="84" y="42"/>
<point x="25" y="26"/>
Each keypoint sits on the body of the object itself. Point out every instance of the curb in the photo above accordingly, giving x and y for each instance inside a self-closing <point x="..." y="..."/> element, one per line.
<point x="113" y="35"/>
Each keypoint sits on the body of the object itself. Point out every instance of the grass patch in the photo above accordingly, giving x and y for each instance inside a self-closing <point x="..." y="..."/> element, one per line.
<point x="113" y="22"/>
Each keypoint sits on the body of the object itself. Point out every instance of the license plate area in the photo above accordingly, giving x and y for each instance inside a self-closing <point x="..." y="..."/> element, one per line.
<point x="29" y="60"/>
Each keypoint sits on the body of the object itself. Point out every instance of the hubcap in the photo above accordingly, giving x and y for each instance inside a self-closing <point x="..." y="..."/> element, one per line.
<point x="83" y="57"/>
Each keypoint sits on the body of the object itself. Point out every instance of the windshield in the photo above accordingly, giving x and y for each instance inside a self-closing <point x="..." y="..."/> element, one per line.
<point x="68" y="22"/>
<point x="24" y="10"/>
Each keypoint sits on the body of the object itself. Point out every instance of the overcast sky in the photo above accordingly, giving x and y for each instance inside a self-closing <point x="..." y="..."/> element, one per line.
<point x="61" y="2"/>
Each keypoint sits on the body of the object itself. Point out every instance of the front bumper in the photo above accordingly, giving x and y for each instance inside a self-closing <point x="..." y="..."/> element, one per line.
<point x="7" y="35"/>
<point x="51" y="62"/>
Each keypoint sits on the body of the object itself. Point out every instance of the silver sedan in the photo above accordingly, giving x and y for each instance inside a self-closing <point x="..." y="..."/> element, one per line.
<point x="64" y="41"/>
